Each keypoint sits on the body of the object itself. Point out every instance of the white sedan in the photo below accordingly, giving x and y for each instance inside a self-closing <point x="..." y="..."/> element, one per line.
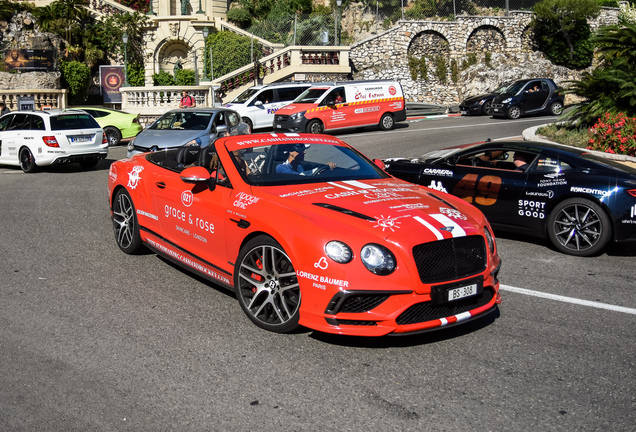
<point x="30" y="139"/>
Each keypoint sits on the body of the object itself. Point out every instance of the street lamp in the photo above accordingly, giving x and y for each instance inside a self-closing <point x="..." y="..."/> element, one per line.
<point x="124" y="38"/>
<point x="339" y="3"/>
<point x="206" y="32"/>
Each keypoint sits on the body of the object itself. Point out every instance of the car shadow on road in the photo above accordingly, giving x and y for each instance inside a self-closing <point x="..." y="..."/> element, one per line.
<point x="612" y="249"/>
<point x="398" y="341"/>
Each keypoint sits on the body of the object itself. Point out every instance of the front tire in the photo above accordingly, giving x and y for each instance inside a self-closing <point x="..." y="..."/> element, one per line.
<point x="556" y="108"/>
<point x="315" y="127"/>
<point x="27" y="161"/>
<point x="387" y="122"/>
<point x="249" y="124"/>
<point x="113" y="135"/>
<point x="266" y="285"/>
<point x="487" y="109"/>
<point x="514" y="112"/>
<point x="125" y="223"/>
<point x="579" y="227"/>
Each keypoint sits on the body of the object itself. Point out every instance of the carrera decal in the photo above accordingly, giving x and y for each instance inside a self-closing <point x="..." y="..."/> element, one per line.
<point x="483" y="192"/>
<point x="134" y="177"/>
<point x="438" y="172"/>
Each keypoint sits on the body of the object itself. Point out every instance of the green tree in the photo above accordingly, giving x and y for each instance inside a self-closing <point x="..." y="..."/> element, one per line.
<point x="75" y="77"/>
<point x="230" y="51"/>
<point x="610" y="87"/>
<point x="562" y="32"/>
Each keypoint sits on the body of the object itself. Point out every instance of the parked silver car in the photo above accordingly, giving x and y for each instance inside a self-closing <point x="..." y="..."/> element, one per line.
<point x="178" y="127"/>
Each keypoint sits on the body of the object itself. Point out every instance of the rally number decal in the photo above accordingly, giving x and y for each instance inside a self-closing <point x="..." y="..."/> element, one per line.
<point x="483" y="192"/>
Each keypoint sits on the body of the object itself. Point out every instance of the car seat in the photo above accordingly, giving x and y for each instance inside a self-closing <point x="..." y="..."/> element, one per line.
<point x="187" y="155"/>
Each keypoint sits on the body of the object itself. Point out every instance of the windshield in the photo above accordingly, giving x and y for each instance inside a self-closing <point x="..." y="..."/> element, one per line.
<point x="73" y="121"/>
<point x="303" y="163"/>
<point x="243" y="97"/>
<point x="183" y="121"/>
<point x="311" y="95"/>
<point x="503" y="88"/>
<point x="516" y="87"/>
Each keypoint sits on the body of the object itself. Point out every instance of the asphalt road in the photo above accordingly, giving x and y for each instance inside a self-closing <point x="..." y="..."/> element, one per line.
<point x="94" y="340"/>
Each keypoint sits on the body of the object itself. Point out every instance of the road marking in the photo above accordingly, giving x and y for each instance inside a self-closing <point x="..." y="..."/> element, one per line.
<point x="409" y="130"/>
<point x="568" y="299"/>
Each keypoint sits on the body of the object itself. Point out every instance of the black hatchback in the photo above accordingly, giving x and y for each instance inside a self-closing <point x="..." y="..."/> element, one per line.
<point x="529" y="96"/>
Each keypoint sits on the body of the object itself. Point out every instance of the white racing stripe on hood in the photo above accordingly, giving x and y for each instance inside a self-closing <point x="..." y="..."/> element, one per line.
<point x="434" y="230"/>
<point x="457" y="231"/>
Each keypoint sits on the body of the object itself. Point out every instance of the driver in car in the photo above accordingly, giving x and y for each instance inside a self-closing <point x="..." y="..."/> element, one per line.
<point x="295" y="155"/>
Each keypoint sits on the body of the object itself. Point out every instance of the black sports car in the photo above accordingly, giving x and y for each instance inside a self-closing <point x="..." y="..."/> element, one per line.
<point x="481" y="104"/>
<point x="579" y="199"/>
<point x="529" y="96"/>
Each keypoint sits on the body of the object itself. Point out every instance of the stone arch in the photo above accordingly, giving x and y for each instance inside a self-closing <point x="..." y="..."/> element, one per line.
<point x="169" y="52"/>
<point x="528" y="42"/>
<point x="486" y="38"/>
<point x="429" y="43"/>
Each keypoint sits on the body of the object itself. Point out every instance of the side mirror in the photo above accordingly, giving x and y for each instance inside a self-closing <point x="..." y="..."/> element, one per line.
<point x="258" y="103"/>
<point x="221" y="130"/>
<point x="198" y="175"/>
<point x="380" y="164"/>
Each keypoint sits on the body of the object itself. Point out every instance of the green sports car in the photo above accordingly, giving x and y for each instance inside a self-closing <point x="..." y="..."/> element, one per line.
<point x="117" y="125"/>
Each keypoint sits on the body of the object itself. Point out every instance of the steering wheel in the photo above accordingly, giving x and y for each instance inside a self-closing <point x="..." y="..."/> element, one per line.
<point x="321" y="170"/>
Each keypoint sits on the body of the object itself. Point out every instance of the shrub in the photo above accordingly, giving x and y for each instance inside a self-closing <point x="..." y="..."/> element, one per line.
<point x="163" y="78"/>
<point x="454" y="71"/>
<point x="423" y="68"/>
<point x="136" y="75"/>
<point x="614" y="133"/>
<point x="185" y="77"/>
<point x="75" y="77"/>
<point x="441" y="70"/>
<point x="240" y="17"/>
<point x="413" y="63"/>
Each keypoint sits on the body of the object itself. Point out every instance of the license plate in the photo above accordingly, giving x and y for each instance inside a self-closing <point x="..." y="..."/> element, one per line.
<point x="496" y="110"/>
<point x="278" y="126"/>
<point x="81" y="138"/>
<point x="462" y="292"/>
<point x="463" y="112"/>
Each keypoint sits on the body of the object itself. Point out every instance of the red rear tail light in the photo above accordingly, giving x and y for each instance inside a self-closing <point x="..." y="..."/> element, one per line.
<point x="632" y="192"/>
<point x="104" y="139"/>
<point x="50" y="141"/>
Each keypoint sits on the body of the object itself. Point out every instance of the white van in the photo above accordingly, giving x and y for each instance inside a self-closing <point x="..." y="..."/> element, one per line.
<point x="340" y="105"/>
<point x="258" y="104"/>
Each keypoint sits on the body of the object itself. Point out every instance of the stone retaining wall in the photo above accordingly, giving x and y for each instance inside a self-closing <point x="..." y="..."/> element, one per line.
<point x="508" y="39"/>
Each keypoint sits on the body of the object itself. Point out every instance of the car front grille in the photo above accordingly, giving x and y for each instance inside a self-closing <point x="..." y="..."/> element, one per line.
<point x="422" y="312"/>
<point x="497" y="105"/>
<point x="281" y="118"/>
<point x="450" y="259"/>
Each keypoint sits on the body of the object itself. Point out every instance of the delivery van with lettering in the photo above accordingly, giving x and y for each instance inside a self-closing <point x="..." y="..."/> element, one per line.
<point x="257" y="104"/>
<point x="341" y="105"/>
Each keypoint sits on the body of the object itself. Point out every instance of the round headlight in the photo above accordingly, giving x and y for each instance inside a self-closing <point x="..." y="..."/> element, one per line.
<point x="131" y="145"/>
<point x="338" y="251"/>
<point x="378" y="259"/>
<point x="297" y="115"/>
<point x="506" y="100"/>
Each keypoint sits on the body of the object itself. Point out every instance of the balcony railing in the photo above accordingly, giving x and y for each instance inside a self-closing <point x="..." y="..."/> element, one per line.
<point x="43" y="99"/>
